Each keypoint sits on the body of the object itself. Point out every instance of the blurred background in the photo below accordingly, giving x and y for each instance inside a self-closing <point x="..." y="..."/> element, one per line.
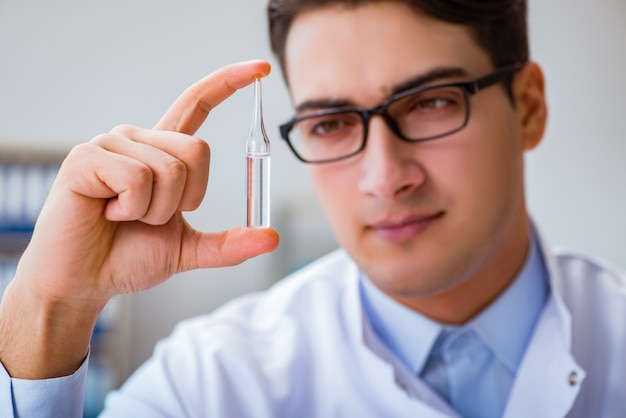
<point x="72" y="69"/>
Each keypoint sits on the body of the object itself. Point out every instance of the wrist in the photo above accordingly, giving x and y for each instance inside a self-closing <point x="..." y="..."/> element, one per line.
<point x="42" y="338"/>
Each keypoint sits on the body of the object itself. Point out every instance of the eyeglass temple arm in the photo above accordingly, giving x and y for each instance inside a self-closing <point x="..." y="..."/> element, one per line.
<point x="493" y="78"/>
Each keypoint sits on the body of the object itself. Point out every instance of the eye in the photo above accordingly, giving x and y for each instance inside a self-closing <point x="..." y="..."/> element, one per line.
<point x="327" y="127"/>
<point x="434" y="100"/>
<point x="429" y="103"/>
<point x="335" y="126"/>
<point x="433" y="103"/>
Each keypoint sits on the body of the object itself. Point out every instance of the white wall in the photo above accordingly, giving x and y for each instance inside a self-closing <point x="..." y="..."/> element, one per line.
<point x="71" y="69"/>
<point x="577" y="177"/>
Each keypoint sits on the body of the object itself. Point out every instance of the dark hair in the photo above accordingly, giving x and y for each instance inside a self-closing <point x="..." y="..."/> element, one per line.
<point x="499" y="26"/>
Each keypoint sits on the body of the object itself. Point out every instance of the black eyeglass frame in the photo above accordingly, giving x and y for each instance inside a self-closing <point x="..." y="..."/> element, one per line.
<point x="469" y="89"/>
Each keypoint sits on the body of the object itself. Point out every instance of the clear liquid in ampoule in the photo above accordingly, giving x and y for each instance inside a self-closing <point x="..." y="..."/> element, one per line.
<point x="258" y="166"/>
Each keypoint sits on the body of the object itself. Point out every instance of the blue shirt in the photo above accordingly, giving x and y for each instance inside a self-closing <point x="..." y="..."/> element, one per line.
<point x="499" y="335"/>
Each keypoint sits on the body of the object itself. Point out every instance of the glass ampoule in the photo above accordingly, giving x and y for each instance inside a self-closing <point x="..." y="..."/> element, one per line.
<point x="258" y="166"/>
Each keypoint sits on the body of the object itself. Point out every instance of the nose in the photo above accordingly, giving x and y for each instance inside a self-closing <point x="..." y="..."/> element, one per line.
<point x="390" y="168"/>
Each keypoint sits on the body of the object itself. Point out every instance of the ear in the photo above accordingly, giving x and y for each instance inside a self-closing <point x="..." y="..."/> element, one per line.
<point x="530" y="104"/>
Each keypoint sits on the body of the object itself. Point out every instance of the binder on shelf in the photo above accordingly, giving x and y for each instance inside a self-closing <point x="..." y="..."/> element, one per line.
<point x="24" y="186"/>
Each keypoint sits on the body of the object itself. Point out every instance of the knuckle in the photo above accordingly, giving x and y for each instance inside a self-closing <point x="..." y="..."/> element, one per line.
<point x="123" y="130"/>
<point x="81" y="150"/>
<point x="100" y="140"/>
<point x="142" y="177"/>
<point x="77" y="156"/>
<point x="175" y="170"/>
<point x="198" y="149"/>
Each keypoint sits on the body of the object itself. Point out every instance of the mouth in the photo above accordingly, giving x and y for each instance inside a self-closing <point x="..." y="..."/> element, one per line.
<point x="405" y="229"/>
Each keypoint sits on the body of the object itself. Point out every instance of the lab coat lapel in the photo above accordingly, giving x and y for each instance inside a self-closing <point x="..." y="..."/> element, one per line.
<point x="549" y="378"/>
<point x="378" y="374"/>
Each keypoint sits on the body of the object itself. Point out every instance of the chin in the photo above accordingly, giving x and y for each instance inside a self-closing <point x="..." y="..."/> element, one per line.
<point x="409" y="270"/>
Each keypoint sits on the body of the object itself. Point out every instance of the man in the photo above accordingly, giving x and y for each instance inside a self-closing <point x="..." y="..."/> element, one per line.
<point x="413" y="118"/>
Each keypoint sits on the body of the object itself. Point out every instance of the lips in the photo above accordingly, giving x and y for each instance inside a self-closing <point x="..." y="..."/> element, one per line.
<point x="405" y="229"/>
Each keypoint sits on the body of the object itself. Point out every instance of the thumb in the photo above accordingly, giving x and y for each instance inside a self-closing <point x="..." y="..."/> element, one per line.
<point x="226" y="248"/>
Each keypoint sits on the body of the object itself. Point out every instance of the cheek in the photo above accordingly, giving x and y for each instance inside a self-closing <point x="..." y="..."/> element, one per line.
<point x="478" y="169"/>
<point x="336" y="192"/>
<point x="487" y="169"/>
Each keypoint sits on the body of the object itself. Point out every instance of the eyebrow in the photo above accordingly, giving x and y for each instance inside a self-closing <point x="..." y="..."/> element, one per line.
<point x="435" y="74"/>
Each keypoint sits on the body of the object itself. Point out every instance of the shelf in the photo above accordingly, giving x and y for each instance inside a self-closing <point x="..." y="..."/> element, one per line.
<point x="13" y="242"/>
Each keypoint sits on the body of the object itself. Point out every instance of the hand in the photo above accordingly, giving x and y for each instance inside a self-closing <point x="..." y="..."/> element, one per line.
<point x="113" y="221"/>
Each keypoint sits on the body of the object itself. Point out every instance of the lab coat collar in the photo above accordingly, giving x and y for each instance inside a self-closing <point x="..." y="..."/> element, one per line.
<point x="549" y="378"/>
<point x="384" y="374"/>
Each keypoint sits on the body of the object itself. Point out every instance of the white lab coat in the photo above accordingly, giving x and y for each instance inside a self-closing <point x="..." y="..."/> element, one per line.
<point x="303" y="349"/>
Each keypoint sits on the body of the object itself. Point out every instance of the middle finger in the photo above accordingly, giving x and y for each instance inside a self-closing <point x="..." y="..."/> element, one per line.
<point x="193" y="152"/>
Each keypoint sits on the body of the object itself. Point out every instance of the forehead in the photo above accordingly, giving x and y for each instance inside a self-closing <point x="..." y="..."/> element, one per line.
<point x="361" y="52"/>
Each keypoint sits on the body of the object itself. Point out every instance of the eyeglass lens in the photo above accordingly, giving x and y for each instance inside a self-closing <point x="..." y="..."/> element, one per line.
<point x="421" y="115"/>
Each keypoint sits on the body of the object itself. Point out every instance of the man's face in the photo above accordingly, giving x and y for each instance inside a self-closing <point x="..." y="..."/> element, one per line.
<point x="418" y="218"/>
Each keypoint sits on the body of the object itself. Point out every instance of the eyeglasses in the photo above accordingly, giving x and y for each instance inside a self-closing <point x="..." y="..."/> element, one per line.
<point x="415" y="115"/>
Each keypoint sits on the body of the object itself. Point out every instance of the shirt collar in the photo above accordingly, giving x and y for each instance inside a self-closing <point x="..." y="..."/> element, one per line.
<point x="391" y="321"/>
<point x="505" y="326"/>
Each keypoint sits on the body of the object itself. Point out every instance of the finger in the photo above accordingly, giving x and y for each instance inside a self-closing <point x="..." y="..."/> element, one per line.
<point x="190" y="110"/>
<point x="193" y="152"/>
<point x="121" y="184"/>
<point x="227" y="248"/>
<point x="168" y="174"/>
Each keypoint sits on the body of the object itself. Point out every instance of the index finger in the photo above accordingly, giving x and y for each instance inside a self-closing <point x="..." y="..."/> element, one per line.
<point x="192" y="107"/>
